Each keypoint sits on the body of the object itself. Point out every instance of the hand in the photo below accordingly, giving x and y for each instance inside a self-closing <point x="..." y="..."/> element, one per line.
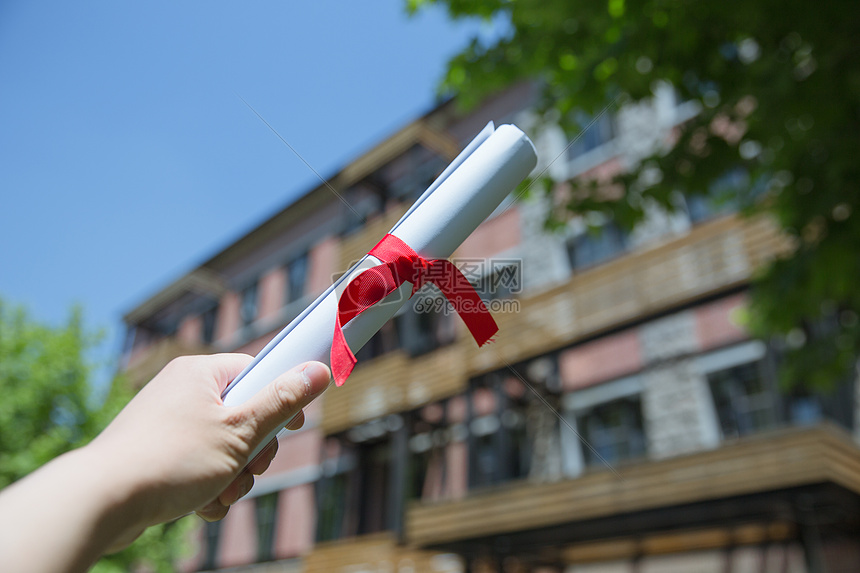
<point x="217" y="508"/>
<point x="176" y="448"/>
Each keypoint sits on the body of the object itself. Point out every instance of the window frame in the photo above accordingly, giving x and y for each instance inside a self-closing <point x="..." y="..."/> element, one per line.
<point x="296" y="292"/>
<point x="734" y="356"/>
<point x="266" y="508"/>
<point x="594" y="240"/>
<point x="209" y="324"/>
<point x="577" y="404"/>
<point x="250" y="292"/>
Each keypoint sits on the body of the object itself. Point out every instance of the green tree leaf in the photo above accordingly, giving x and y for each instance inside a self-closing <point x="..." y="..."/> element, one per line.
<point x="777" y="86"/>
<point x="48" y="409"/>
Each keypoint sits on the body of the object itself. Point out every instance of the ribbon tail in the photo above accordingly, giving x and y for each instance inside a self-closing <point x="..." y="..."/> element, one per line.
<point x="479" y="322"/>
<point x="466" y="302"/>
<point x="342" y="359"/>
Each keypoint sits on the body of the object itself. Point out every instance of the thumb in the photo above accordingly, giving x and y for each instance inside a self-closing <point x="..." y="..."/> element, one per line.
<point x="274" y="405"/>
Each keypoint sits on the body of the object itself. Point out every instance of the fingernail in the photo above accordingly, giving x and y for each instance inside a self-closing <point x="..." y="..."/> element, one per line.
<point x="314" y="374"/>
<point x="247" y="488"/>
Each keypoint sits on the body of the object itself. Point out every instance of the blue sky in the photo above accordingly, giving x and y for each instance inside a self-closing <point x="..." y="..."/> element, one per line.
<point x="126" y="157"/>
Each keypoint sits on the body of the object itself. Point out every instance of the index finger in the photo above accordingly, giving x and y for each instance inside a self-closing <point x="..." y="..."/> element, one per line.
<point x="227" y="366"/>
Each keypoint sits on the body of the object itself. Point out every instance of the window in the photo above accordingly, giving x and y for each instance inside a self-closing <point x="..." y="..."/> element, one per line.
<point x="593" y="136"/>
<point x="362" y="206"/>
<point x="248" y="305"/>
<point x="332" y="495"/>
<point x="427" y="324"/>
<point x="418" y="169"/>
<point x="747" y="398"/>
<point x="722" y="197"/>
<point x="499" y="446"/>
<point x="614" y="430"/>
<point x="486" y="461"/>
<point x="805" y="407"/>
<point x="501" y="454"/>
<point x="297" y="275"/>
<point x="701" y="208"/>
<point x="267" y="514"/>
<point x="428" y="437"/>
<point x="420" y="462"/>
<point x="374" y="499"/>
<point x="503" y="282"/>
<point x="360" y="497"/>
<point x="588" y="249"/>
<point x="383" y="342"/>
<point x="492" y="278"/>
<point x="212" y="532"/>
<point x="166" y="325"/>
<point x="743" y="401"/>
<point x="209" y="319"/>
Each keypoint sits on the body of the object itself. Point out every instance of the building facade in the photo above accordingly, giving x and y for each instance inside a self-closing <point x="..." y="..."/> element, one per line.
<point x="621" y="421"/>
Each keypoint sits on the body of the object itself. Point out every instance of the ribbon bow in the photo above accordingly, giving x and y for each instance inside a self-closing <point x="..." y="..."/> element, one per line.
<point x="401" y="264"/>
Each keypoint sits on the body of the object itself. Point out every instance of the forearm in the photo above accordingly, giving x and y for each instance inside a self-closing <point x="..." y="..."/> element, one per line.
<point x="63" y="517"/>
<point x="175" y="448"/>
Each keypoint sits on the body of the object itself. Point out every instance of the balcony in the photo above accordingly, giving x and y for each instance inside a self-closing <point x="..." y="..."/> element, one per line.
<point x="753" y="479"/>
<point x="354" y="246"/>
<point x="712" y="258"/>
<point x="144" y="364"/>
<point x="376" y="552"/>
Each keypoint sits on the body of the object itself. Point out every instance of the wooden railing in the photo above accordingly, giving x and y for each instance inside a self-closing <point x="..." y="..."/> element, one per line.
<point x="789" y="458"/>
<point x="702" y="539"/>
<point x="369" y="553"/>
<point x="713" y="257"/>
<point x="145" y="364"/>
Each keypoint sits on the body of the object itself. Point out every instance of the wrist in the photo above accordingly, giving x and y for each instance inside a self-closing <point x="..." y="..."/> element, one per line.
<point x="118" y="500"/>
<point x="74" y="502"/>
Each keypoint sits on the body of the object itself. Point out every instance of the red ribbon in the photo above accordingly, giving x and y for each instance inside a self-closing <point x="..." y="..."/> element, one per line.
<point x="401" y="264"/>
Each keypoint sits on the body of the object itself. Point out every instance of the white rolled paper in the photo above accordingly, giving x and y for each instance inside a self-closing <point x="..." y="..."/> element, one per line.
<point x="471" y="188"/>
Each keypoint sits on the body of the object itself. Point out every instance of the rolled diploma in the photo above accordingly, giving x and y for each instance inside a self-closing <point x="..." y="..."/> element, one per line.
<point x="439" y="222"/>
